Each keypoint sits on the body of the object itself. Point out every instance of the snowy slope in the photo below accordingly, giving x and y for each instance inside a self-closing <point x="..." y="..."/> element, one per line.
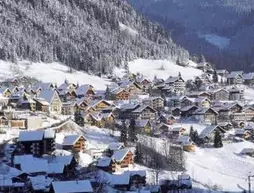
<point x="223" y="167"/>
<point x="149" y="68"/>
<point x="52" y="72"/>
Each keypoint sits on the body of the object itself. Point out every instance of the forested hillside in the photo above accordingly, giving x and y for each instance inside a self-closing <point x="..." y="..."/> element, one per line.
<point x="84" y="34"/>
<point x="203" y="27"/>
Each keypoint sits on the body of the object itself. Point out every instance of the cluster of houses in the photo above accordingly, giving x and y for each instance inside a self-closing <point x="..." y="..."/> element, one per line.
<point x="157" y="106"/>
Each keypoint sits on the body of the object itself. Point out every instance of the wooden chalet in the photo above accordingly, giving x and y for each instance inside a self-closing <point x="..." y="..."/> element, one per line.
<point x="137" y="178"/>
<point x="74" y="143"/>
<point x="144" y="112"/>
<point x="36" y="142"/>
<point x="155" y="102"/>
<point x="177" y="82"/>
<point x="53" y="99"/>
<point x="106" y="164"/>
<point x="235" y="77"/>
<point x="167" y="119"/>
<point x="206" y="115"/>
<point x="220" y="95"/>
<point x="98" y="105"/>
<point x="119" y="94"/>
<point x="207" y="134"/>
<point x="5" y="92"/>
<point x="248" y="79"/>
<point x="131" y="86"/>
<point x="123" y="158"/>
<point x="143" y="126"/>
<point x="85" y="91"/>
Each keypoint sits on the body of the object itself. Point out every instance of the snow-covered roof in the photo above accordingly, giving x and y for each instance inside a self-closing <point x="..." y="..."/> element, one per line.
<point x="234" y="74"/>
<point x="141" y="122"/>
<point x="141" y="173"/>
<point x="207" y="130"/>
<point x="30" y="135"/>
<point x="82" y="90"/>
<point x="115" y="146"/>
<point x="120" y="179"/>
<point x="248" y="76"/>
<point x="49" y="134"/>
<point x="201" y="111"/>
<point x="71" y="139"/>
<point x="120" y="154"/>
<point x="30" y="164"/>
<point x="47" y="95"/>
<point x="78" y="186"/>
<point x="142" y="108"/>
<point x="171" y="79"/>
<point x="40" y="182"/>
<point x="187" y="108"/>
<point x="104" y="162"/>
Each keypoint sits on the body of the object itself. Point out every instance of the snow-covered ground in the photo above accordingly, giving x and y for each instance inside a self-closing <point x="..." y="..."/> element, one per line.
<point x="219" y="41"/>
<point x="150" y="68"/>
<point x="51" y="72"/>
<point x="223" y="167"/>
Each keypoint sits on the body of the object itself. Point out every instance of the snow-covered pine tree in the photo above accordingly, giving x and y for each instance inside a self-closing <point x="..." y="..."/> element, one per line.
<point x="124" y="134"/>
<point x="132" y="131"/>
<point x="217" y="140"/>
<point x="215" y="76"/>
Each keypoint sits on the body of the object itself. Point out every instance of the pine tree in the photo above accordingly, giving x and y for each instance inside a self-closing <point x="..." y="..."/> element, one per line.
<point x="126" y="67"/>
<point x="217" y="140"/>
<point x="195" y="137"/>
<point x="78" y="118"/>
<point x="191" y="132"/>
<point x="123" y="136"/>
<point x="107" y="94"/>
<point x="132" y="130"/>
<point x="138" y="154"/>
<point x="179" y="75"/>
<point x="215" y="76"/>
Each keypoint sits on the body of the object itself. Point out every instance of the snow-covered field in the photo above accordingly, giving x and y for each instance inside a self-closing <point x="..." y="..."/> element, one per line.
<point x="51" y="72"/>
<point x="149" y="68"/>
<point x="223" y="167"/>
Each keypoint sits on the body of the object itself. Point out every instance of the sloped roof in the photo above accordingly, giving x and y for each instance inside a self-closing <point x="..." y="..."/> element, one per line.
<point x="234" y="74"/>
<point x="209" y="129"/>
<point x="248" y="76"/>
<point x="81" y="90"/>
<point x="171" y="79"/>
<point x="47" y="95"/>
<point x="187" y="108"/>
<point x="78" y="186"/>
<point x="30" y="135"/>
<point x="120" y="179"/>
<point x="104" y="162"/>
<point x="71" y="139"/>
<point x="142" y="108"/>
<point x="49" y="134"/>
<point x="201" y="111"/>
<point x="141" y="173"/>
<point x="115" y="146"/>
<point x="120" y="154"/>
<point x="141" y="122"/>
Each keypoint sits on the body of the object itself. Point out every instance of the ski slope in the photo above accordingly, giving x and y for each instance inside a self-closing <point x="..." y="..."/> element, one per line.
<point x="49" y="72"/>
<point x="150" y="68"/>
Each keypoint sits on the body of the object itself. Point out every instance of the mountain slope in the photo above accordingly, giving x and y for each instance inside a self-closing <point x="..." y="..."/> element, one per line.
<point x="190" y="22"/>
<point x="84" y="34"/>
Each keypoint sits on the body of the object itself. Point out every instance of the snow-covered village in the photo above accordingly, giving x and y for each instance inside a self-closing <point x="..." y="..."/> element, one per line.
<point x="168" y="128"/>
<point x="126" y="96"/>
